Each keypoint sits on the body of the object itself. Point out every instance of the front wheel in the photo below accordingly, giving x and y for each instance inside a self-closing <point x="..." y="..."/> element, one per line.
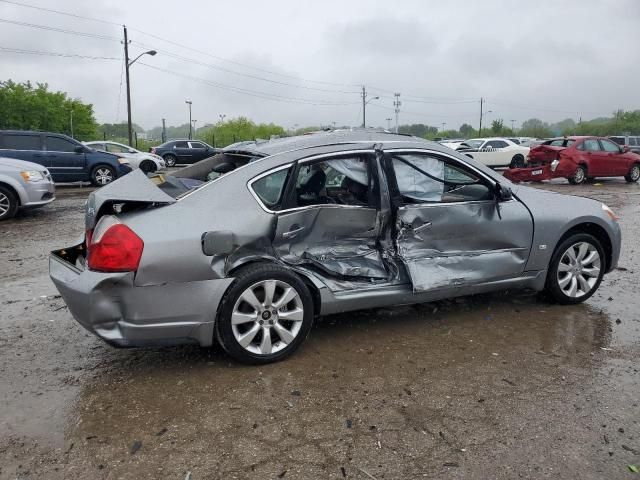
<point x="102" y="175"/>
<point x="517" y="161"/>
<point x="576" y="269"/>
<point x="634" y="174"/>
<point x="265" y="316"/>
<point x="8" y="203"/>
<point x="148" y="166"/>
<point x="579" y="176"/>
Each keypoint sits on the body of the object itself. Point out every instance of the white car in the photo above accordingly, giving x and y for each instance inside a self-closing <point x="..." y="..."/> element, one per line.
<point x="147" y="162"/>
<point x="496" y="152"/>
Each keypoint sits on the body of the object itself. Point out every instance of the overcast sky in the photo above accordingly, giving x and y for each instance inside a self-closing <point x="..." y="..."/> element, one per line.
<point x="296" y="62"/>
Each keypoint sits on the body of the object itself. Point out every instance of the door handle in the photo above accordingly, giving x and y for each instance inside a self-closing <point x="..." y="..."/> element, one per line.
<point x="422" y="227"/>
<point x="292" y="233"/>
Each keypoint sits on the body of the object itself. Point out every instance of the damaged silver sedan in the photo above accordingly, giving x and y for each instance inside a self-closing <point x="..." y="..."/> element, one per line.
<point x="248" y="247"/>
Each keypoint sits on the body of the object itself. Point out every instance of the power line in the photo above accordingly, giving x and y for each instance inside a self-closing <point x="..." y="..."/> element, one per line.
<point x="50" y="10"/>
<point x="248" y="75"/>
<point x="254" y="93"/>
<point x="55" y="54"/>
<point x="60" y="30"/>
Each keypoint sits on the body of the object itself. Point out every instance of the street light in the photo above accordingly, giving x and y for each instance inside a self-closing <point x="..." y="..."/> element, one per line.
<point x="189" y="102"/>
<point x="222" y="117"/>
<point x="364" y="110"/>
<point x="128" y="64"/>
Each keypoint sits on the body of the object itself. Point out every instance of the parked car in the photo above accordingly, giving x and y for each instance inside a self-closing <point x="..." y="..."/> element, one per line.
<point x="316" y="225"/>
<point x="23" y="185"/>
<point x="147" y="162"/>
<point x="66" y="159"/>
<point x="578" y="159"/>
<point x="495" y="152"/>
<point x="631" y="141"/>
<point x="455" y="144"/>
<point x="183" y="152"/>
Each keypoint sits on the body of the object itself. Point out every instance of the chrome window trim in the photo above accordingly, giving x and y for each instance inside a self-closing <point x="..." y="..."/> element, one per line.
<point x="303" y="161"/>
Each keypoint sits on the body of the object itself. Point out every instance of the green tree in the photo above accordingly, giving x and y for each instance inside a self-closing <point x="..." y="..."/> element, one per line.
<point x="238" y="129"/>
<point x="497" y="126"/>
<point x="25" y="107"/>
<point x="535" y="127"/>
<point x="467" y="131"/>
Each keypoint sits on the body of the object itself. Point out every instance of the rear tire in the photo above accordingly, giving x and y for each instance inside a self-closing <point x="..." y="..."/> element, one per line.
<point x="170" y="160"/>
<point x="148" y="166"/>
<point x="634" y="174"/>
<point x="517" y="161"/>
<point x="265" y="315"/>
<point x="576" y="269"/>
<point x="8" y="203"/>
<point x="579" y="176"/>
<point x="102" y="175"/>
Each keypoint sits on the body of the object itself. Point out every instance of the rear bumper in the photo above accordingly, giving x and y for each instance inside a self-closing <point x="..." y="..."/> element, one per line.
<point x="110" y="306"/>
<point x="527" y="174"/>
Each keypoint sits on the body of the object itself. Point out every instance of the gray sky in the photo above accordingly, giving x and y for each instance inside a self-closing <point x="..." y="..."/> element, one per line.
<point x="545" y="59"/>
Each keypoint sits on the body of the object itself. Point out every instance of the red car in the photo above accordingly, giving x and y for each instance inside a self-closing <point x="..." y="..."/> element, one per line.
<point x="578" y="159"/>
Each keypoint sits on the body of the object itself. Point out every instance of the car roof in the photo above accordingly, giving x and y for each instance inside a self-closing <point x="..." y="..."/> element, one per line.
<point x="333" y="137"/>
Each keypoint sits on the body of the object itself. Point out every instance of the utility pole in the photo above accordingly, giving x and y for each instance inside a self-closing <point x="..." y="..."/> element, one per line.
<point x="222" y="117"/>
<point x="396" y="106"/>
<point x="388" y="123"/>
<point x="364" y="107"/>
<point x="443" y="124"/>
<point x="164" y="131"/>
<point x="126" y="65"/>
<point x="480" y="129"/>
<point x="512" y="129"/>
<point x="189" y="102"/>
<point x="71" y="120"/>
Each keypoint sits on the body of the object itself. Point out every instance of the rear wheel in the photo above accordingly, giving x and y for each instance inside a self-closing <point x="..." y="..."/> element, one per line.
<point x="517" y="161"/>
<point x="579" y="176"/>
<point x="634" y="174"/>
<point x="170" y="160"/>
<point x="102" y="175"/>
<point x="8" y="203"/>
<point x="148" y="166"/>
<point x="265" y="316"/>
<point x="576" y="269"/>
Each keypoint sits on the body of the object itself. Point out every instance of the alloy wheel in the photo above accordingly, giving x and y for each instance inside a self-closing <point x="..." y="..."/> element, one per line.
<point x="579" y="269"/>
<point x="579" y="175"/>
<point x="5" y="204"/>
<point x="267" y="317"/>
<point x="103" y="176"/>
<point x="635" y="173"/>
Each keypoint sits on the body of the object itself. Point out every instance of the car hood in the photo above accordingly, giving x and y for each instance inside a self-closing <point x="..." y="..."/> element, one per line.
<point x="135" y="188"/>
<point x="14" y="164"/>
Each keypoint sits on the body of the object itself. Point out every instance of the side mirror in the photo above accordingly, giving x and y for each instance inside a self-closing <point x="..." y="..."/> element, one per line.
<point x="79" y="149"/>
<point x="625" y="149"/>
<point x="217" y="243"/>
<point x="503" y="192"/>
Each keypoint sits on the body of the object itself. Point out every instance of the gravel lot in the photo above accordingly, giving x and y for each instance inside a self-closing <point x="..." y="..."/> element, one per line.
<point x="493" y="386"/>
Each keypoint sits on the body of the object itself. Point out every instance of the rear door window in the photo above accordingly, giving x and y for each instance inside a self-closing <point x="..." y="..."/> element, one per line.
<point x="22" y="142"/>
<point x="592" y="145"/>
<point x="181" y="145"/>
<point x="609" y="146"/>
<point x="57" y="144"/>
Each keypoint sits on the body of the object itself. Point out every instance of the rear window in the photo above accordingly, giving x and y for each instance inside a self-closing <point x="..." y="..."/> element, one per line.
<point x="269" y="189"/>
<point x="21" y="142"/>
<point x="561" y="142"/>
<point x="633" y="141"/>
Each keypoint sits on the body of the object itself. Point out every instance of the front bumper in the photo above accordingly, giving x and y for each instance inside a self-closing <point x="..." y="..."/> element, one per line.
<point x="38" y="194"/>
<point x="110" y="306"/>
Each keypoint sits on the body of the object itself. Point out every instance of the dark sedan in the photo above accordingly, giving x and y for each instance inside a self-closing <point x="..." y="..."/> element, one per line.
<point x="183" y="151"/>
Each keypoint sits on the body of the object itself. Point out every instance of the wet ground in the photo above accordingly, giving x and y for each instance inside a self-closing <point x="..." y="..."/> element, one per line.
<point x="494" y="386"/>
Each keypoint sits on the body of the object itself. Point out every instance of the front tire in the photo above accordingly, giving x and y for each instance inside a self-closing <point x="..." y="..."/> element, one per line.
<point x="170" y="160"/>
<point x="148" y="166"/>
<point x="8" y="203"/>
<point x="265" y="315"/>
<point x="102" y="175"/>
<point x="576" y="269"/>
<point x="579" y="176"/>
<point x="634" y="174"/>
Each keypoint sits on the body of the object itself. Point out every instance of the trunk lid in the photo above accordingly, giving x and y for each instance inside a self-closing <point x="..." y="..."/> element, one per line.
<point x="134" y="190"/>
<point x="544" y="154"/>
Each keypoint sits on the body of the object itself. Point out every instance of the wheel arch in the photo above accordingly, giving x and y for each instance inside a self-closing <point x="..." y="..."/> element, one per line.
<point x="14" y="190"/>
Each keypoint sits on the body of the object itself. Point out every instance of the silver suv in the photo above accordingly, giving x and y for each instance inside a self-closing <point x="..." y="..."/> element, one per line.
<point x="631" y="141"/>
<point x="23" y="185"/>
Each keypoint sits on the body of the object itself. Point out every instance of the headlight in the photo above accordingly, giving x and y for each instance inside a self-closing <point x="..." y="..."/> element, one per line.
<point x="123" y="161"/>
<point x="32" y="175"/>
<point x="609" y="212"/>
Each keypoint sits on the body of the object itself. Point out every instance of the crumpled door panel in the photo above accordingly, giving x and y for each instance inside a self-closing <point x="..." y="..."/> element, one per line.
<point x="460" y="244"/>
<point x="337" y="240"/>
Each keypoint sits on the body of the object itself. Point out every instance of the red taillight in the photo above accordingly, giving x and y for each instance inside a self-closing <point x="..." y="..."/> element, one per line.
<point x="118" y="249"/>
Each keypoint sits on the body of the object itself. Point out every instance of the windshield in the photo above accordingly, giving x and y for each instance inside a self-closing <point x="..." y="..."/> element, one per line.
<point x="475" y="143"/>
